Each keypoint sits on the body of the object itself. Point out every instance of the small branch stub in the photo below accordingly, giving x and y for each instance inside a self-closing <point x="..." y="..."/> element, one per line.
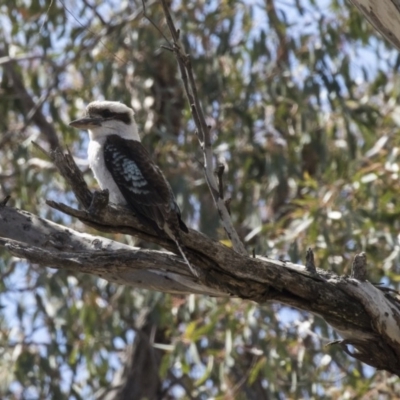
<point x="99" y="202"/>
<point x="310" y="265"/>
<point x="4" y="202"/>
<point x="359" y="267"/>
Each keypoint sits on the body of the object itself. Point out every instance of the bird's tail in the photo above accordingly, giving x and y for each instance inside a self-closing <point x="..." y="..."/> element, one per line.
<point x="172" y="230"/>
<point x="183" y="251"/>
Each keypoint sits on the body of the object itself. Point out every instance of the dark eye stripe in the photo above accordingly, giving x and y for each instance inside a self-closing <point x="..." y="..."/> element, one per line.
<point x="107" y="114"/>
<point x="123" y="117"/>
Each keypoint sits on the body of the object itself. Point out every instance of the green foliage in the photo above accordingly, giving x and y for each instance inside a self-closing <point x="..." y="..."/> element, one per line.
<point x="302" y="100"/>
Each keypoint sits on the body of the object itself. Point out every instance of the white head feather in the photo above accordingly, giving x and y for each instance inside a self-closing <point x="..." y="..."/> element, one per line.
<point x="125" y="126"/>
<point x="113" y="106"/>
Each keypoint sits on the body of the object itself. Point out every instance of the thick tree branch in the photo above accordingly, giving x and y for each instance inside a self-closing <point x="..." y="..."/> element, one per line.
<point x="48" y="244"/>
<point x="365" y="316"/>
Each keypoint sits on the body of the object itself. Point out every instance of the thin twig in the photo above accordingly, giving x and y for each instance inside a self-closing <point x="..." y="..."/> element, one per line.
<point x="203" y="131"/>
<point x="94" y="9"/>
<point x="220" y="172"/>
<point x="204" y="127"/>
<point x="23" y="57"/>
<point x="154" y="24"/>
<point x="28" y="105"/>
<point x="4" y="202"/>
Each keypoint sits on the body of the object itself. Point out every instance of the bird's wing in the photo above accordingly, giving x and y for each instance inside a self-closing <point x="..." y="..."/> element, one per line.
<point x="140" y="181"/>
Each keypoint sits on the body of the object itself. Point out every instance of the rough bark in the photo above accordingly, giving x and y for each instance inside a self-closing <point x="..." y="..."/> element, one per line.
<point x="367" y="317"/>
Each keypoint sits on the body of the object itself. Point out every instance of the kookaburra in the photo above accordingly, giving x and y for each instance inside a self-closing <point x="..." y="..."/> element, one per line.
<point x="122" y="165"/>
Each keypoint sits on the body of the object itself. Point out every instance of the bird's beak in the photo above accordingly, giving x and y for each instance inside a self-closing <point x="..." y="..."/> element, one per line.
<point x="86" y="123"/>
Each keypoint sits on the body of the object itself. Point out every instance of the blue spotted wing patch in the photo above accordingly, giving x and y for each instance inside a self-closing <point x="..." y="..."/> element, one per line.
<point x="130" y="174"/>
<point x="140" y="181"/>
<point x="134" y="172"/>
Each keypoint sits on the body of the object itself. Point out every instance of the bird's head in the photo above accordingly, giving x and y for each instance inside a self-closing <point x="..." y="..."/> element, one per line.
<point x="105" y="118"/>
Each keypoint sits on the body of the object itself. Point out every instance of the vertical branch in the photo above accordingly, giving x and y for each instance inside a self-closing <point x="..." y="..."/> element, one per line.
<point x="203" y="131"/>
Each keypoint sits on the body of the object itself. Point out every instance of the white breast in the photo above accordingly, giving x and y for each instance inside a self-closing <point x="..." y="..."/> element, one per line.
<point x="100" y="171"/>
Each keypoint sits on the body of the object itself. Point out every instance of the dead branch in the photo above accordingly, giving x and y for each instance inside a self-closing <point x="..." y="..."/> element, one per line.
<point x="203" y="131"/>
<point x="365" y="316"/>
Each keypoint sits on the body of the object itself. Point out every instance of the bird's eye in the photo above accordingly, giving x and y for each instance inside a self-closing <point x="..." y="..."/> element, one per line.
<point x="106" y="114"/>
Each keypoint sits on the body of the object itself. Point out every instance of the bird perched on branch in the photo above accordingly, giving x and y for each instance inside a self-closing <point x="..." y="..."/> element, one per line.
<point x="122" y="165"/>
